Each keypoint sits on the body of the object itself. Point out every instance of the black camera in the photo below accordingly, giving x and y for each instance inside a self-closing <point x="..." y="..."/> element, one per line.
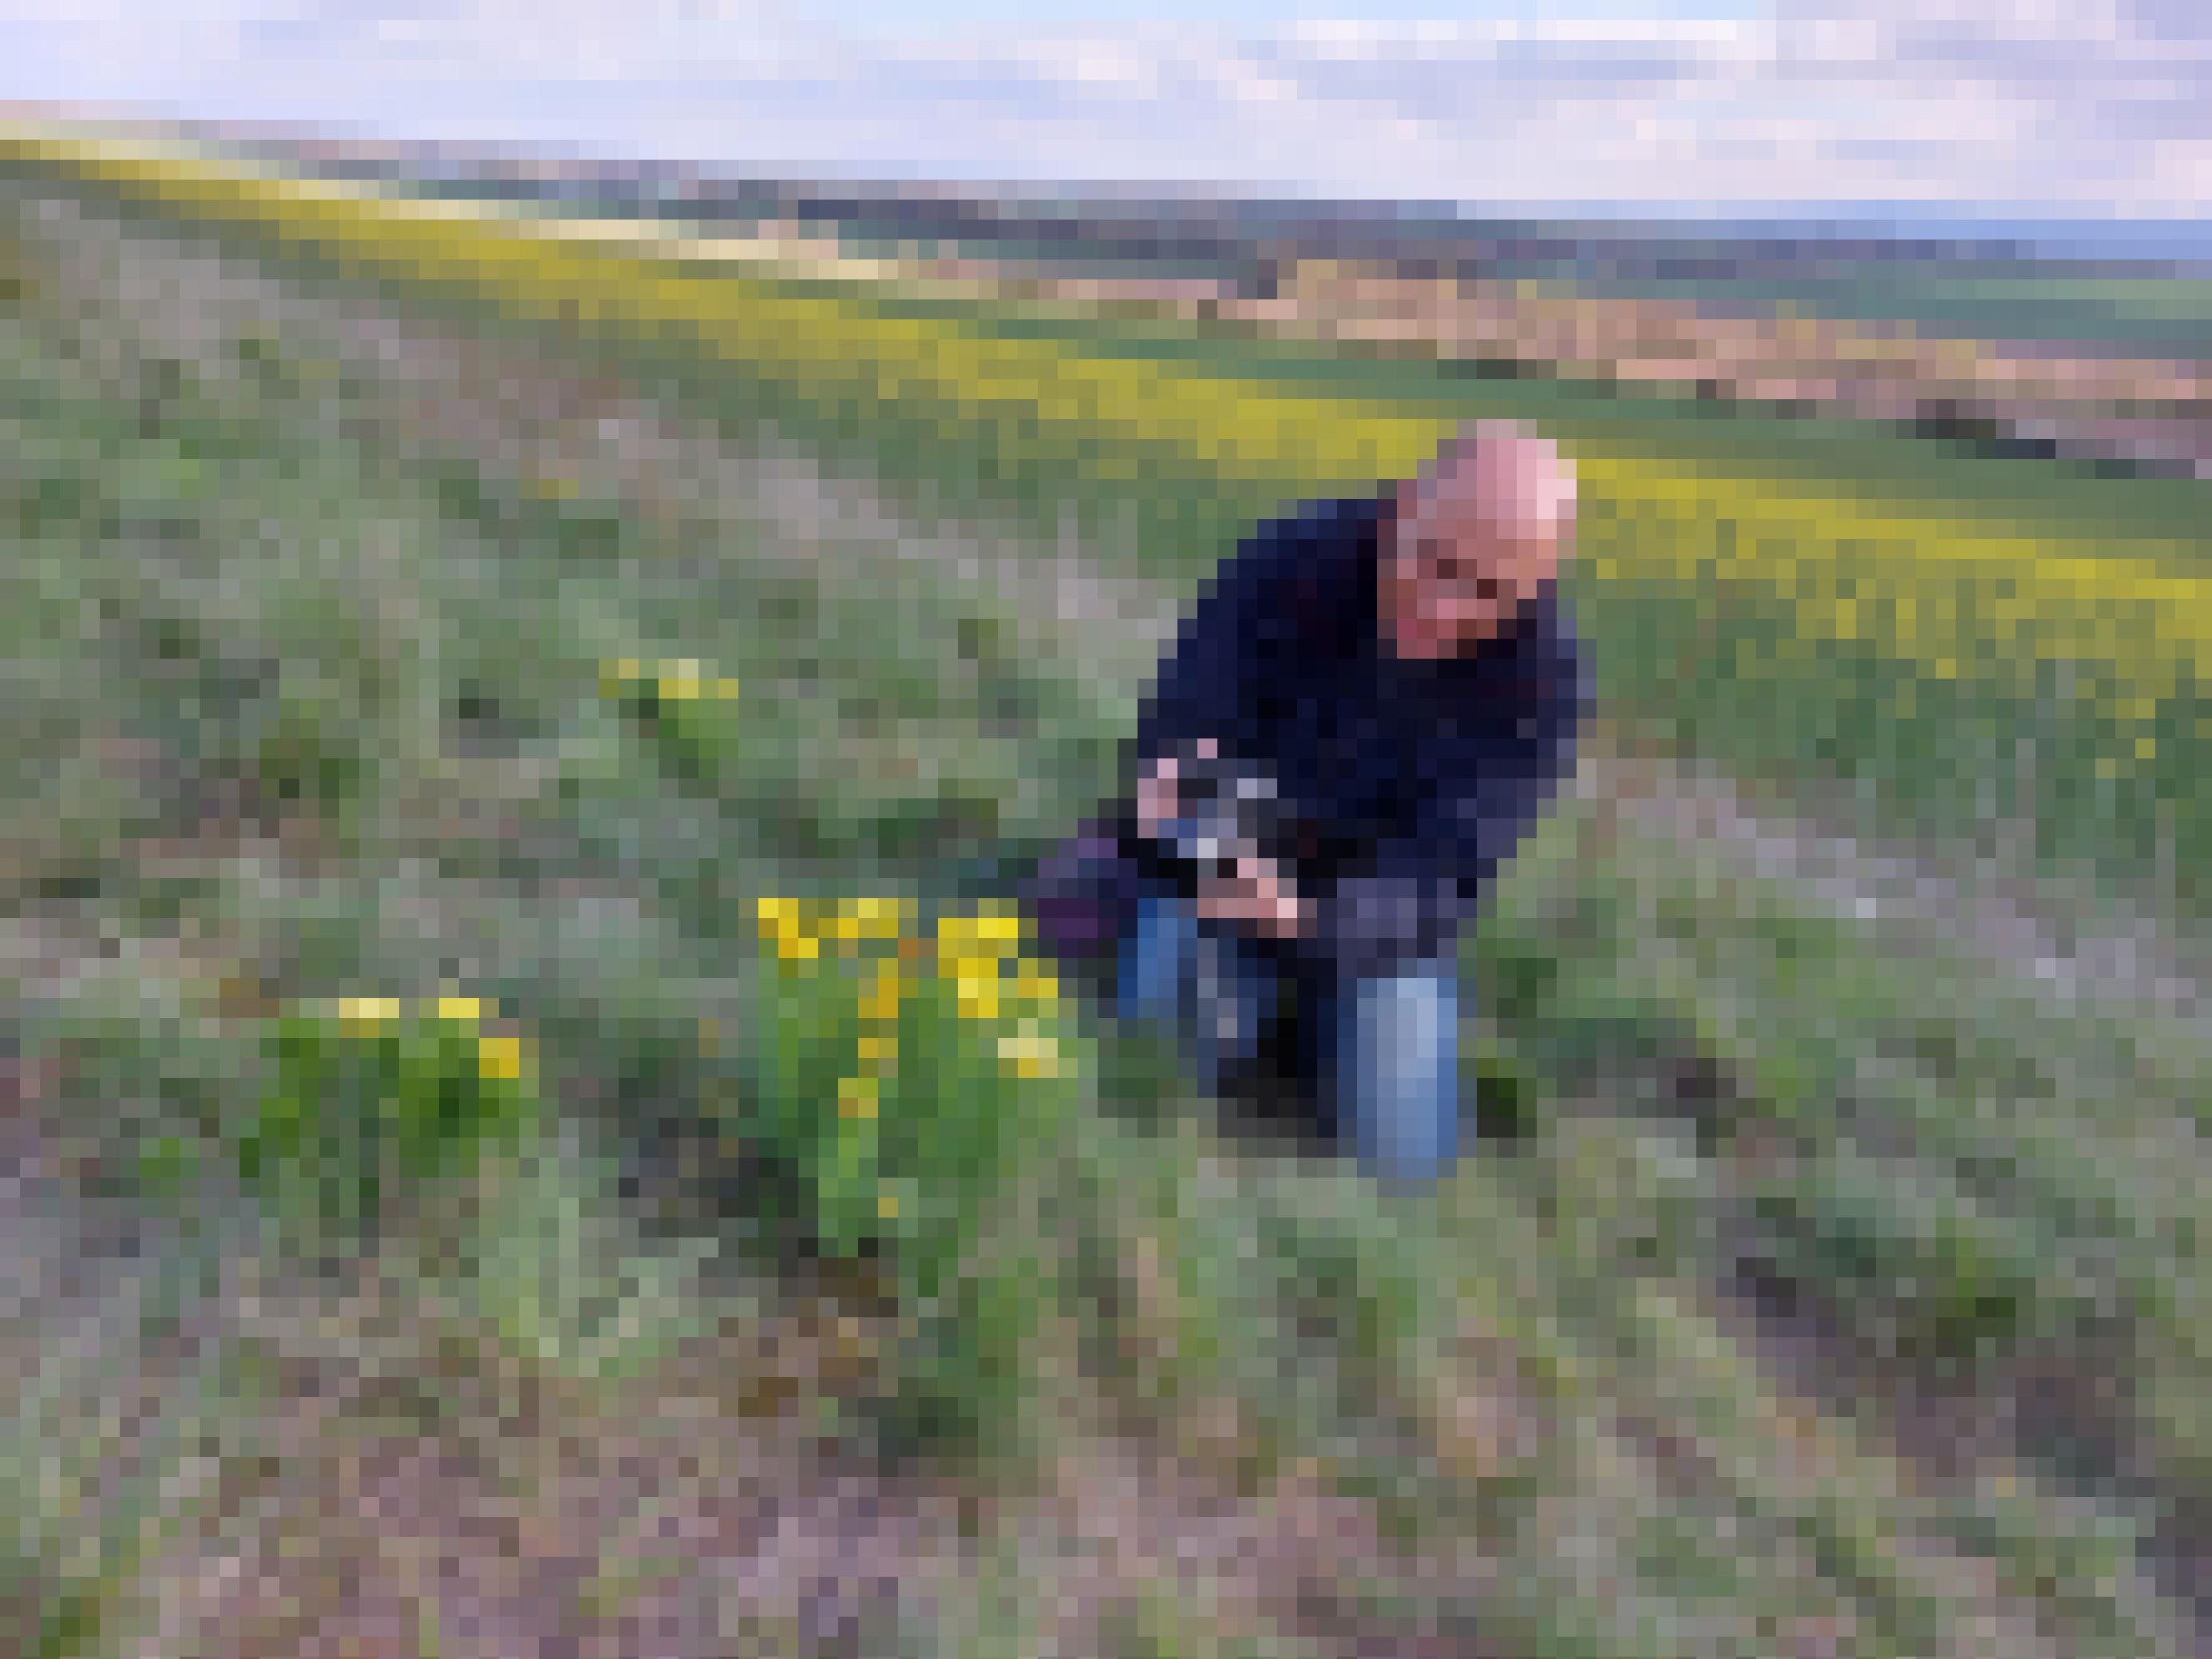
<point x="1226" y="814"/>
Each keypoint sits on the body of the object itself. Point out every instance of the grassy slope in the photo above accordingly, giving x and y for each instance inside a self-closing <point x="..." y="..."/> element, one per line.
<point x="1927" y="741"/>
<point x="228" y="577"/>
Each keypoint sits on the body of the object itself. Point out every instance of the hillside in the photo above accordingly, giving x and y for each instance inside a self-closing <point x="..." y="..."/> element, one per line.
<point x="1789" y="1323"/>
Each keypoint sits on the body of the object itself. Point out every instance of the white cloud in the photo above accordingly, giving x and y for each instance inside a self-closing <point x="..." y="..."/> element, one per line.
<point x="1090" y="63"/>
<point x="2060" y="103"/>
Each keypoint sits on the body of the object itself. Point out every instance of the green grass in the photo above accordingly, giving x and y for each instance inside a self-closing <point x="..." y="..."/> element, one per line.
<point x="394" y="676"/>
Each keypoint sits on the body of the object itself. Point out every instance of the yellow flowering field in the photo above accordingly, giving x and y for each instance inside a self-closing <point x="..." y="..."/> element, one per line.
<point x="1943" y="592"/>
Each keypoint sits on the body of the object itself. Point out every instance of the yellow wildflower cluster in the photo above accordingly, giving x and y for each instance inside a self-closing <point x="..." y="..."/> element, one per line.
<point x="782" y="924"/>
<point x="981" y="955"/>
<point x="865" y="921"/>
<point x="798" y="931"/>
<point x="499" y="1058"/>
<point x="679" y="680"/>
<point x="364" y="1015"/>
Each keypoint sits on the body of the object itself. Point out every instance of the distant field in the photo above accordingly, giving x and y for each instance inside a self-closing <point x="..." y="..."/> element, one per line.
<point x="1844" y="454"/>
<point x="1839" y="1296"/>
<point x="2046" y="299"/>
<point x="2145" y="316"/>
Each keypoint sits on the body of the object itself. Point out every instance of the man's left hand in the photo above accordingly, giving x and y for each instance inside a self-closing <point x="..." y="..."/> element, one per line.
<point x="1259" y="894"/>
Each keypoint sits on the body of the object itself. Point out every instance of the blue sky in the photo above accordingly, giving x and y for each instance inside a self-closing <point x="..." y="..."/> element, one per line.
<point x="2085" y="108"/>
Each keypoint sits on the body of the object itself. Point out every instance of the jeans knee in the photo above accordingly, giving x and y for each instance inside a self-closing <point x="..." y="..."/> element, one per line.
<point x="1199" y="984"/>
<point x="1155" y="961"/>
<point x="1398" y="1066"/>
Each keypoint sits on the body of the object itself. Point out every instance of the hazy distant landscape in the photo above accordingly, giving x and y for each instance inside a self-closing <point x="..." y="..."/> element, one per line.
<point x="2091" y="342"/>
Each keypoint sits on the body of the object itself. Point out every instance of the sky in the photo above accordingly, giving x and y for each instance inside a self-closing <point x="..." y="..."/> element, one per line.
<point x="2079" y="108"/>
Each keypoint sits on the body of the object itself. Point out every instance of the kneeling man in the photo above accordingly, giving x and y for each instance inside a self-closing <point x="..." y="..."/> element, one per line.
<point x="1397" y="672"/>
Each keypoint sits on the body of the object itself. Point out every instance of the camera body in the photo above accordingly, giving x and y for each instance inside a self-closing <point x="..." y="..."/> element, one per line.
<point x="1228" y="814"/>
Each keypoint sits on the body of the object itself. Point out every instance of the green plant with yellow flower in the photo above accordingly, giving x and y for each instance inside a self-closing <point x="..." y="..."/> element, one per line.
<point x="686" y="708"/>
<point x="369" y="1096"/>
<point x="910" y="1073"/>
<point x="901" y="1065"/>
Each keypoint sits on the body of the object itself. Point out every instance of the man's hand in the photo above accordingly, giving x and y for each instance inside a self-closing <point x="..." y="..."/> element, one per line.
<point x="1260" y="895"/>
<point x="1157" y="802"/>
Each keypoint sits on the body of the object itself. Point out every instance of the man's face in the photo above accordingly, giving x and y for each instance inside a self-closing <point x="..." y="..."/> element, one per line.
<point x="1457" y="572"/>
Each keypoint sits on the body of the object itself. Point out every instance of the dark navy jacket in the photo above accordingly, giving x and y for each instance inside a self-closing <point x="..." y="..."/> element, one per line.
<point x="1414" y="780"/>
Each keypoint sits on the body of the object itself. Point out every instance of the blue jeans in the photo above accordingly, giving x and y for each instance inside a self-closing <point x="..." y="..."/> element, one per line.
<point x="1389" y="1044"/>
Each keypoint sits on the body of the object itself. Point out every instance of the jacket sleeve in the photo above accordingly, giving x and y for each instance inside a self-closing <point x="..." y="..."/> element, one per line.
<point x="1408" y="901"/>
<point x="1213" y="683"/>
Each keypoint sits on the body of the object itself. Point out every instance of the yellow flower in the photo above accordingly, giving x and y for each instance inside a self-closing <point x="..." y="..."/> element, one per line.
<point x="781" y="923"/>
<point x="989" y="933"/>
<point x="366" y="1014"/>
<point x="878" y="1050"/>
<point x="1031" y="1056"/>
<point x="874" y="916"/>
<point x="883" y="1002"/>
<point x="466" y="1011"/>
<point x="856" y="1097"/>
<point x="1036" y="984"/>
<point x="500" y="1057"/>
<point x="976" y="999"/>
<point x="887" y="1206"/>
<point x="679" y="681"/>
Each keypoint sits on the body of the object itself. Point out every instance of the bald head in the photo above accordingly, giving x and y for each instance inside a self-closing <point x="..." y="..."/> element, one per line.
<point x="1478" y="533"/>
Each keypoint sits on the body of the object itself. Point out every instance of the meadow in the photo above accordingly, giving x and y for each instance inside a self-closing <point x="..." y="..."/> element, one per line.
<point x="616" y="880"/>
<point x="1800" y="606"/>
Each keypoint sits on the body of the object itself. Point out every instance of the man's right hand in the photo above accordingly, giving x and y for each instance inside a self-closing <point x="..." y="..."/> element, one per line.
<point x="1260" y="895"/>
